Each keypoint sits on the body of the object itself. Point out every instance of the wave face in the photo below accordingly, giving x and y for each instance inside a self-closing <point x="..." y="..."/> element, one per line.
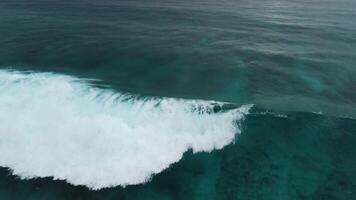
<point x="59" y="126"/>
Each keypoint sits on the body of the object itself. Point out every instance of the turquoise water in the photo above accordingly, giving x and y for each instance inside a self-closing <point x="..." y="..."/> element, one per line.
<point x="294" y="60"/>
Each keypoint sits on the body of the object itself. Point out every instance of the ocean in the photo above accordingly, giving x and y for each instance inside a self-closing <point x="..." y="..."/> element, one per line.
<point x="177" y="99"/>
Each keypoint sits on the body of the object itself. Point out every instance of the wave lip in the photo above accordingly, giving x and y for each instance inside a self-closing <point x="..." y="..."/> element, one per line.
<point x="59" y="126"/>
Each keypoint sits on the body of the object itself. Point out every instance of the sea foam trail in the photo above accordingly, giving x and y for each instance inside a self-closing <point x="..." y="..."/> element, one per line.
<point x="59" y="126"/>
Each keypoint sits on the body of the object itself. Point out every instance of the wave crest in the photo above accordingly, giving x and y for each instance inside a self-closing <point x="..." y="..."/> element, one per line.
<point x="60" y="126"/>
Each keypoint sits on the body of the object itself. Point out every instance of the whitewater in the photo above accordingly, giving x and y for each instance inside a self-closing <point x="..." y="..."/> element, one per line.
<point x="60" y="126"/>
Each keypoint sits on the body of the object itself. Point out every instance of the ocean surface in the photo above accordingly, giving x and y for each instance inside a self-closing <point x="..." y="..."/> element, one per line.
<point x="177" y="99"/>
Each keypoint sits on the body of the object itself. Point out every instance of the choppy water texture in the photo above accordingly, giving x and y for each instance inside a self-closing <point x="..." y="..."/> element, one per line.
<point x="149" y="92"/>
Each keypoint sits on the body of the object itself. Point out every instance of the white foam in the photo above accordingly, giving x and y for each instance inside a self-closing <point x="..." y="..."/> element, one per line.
<point x="59" y="126"/>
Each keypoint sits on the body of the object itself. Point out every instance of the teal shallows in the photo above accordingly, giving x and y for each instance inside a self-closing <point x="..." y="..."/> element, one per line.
<point x="303" y="156"/>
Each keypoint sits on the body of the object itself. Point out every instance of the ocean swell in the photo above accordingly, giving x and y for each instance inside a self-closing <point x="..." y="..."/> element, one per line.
<point x="59" y="126"/>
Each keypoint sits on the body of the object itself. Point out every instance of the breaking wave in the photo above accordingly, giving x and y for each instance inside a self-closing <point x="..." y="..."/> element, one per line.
<point x="59" y="126"/>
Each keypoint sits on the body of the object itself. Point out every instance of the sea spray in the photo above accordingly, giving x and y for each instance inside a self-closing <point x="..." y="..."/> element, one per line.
<point x="60" y="126"/>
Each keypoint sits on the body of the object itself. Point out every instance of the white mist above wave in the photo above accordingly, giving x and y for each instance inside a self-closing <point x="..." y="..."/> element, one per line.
<point x="59" y="126"/>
